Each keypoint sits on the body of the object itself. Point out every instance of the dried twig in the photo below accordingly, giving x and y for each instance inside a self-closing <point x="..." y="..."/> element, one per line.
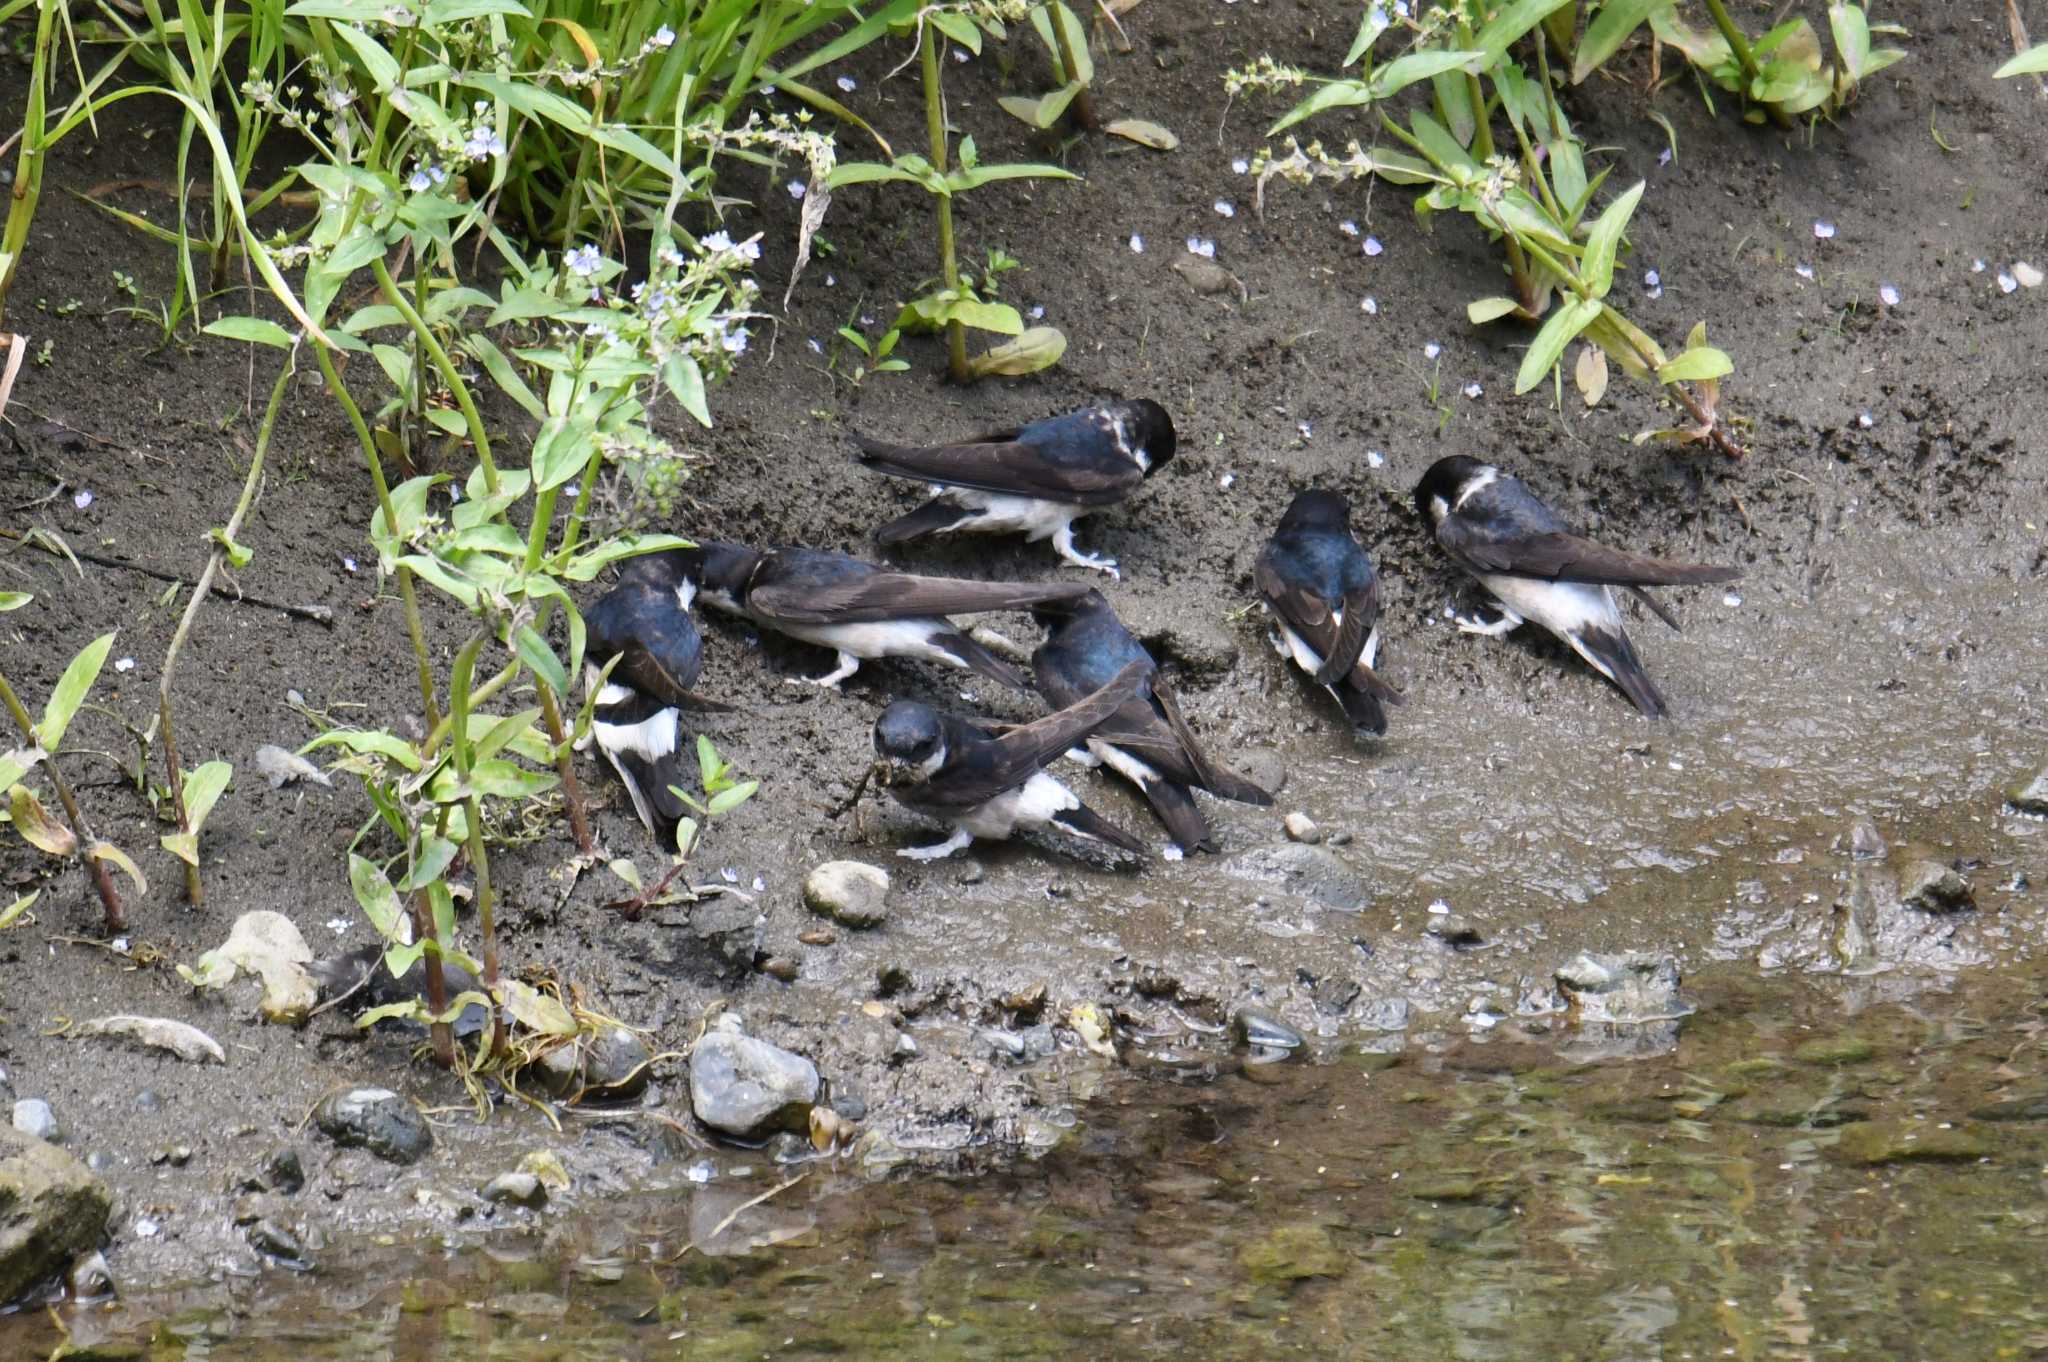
<point x="319" y="614"/>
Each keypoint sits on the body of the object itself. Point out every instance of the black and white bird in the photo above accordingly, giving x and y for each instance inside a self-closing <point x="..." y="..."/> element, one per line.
<point x="645" y="623"/>
<point x="1146" y="741"/>
<point x="1536" y="569"/>
<point x="990" y="782"/>
<point x="1325" y="598"/>
<point x="1037" y="479"/>
<point x="859" y="610"/>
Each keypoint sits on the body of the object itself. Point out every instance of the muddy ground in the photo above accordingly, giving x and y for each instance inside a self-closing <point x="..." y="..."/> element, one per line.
<point x="1880" y="660"/>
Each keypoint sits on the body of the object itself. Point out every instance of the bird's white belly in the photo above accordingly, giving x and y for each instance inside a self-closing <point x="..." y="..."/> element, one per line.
<point x="1031" y="805"/>
<point x="878" y="638"/>
<point x="1291" y="645"/>
<point x="999" y="513"/>
<point x="1561" y="607"/>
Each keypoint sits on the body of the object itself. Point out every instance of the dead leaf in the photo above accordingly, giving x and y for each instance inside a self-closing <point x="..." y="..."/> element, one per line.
<point x="187" y="1042"/>
<point x="1590" y="374"/>
<point x="35" y="825"/>
<point x="1144" y="132"/>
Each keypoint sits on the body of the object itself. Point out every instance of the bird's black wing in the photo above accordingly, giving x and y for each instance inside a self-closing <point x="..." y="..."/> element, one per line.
<point x="1024" y="750"/>
<point x="1305" y="612"/>
<point x="895" y="596"/>
<point x="1560" y="557"/>
<point x="645" y="671"/>
<point x="1060" y="472"/>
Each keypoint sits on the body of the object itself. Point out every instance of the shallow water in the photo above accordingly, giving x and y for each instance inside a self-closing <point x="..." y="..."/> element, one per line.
<point x="1798" y="1170"/>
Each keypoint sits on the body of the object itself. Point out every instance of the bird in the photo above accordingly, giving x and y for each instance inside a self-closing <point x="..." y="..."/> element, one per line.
<point x="859" y="610"/>
<point x="1524" y="554"/>
<point x="1146" y="741"/>
<point x="990" y="782"/>
<point x="1038" y="479"/>
<point x="644" y="621"/>
<point x="1319" y="584"/>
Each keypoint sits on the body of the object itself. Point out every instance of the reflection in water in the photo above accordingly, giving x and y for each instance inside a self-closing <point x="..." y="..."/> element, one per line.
<point x="1781" y="1184"/>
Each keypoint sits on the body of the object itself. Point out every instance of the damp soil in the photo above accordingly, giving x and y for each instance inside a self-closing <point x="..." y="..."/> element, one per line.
<point x="1880" y="661"/>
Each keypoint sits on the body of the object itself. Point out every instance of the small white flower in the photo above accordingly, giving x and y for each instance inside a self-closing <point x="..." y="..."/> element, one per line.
<point x="125" y="664"/>
<point x="584" y="261"/>
<point x="1306" y="429"/>
<point x="1888" y="294"/>
<point x="1401" y="8"/>
<point x="349" y="563"/>
<point x="1227" y="481"/>
<point x="1731" y="598"/>
<point x="1037" y="313"/>
<point x="670" y="256"/>
<point x="1240" y="166"/>
<point x="848" y="84"/>
<point x="664" y="37"/>
<point x="1348" y="227"/>
<point x="1375" y="459"/>
<point x="1803" y="271"/>
<point x="1652" y="279"/>
<point x="1473" y="390"/>
<point x="1137" y="244"/>
<point x="717" y="241"/>
<point x="1823" y="230"/>
<point x="1370" y="306"/>
<point x="797" y="189"/>
<point x="1372" y="245"/>
<point x="733" y="338"/>
<point x="2006" y="282"/>
<point x="1976" y="267"/>
<point x="831" y="281"/>
<point x="1865" y="420"/>
<point x="816" y="348"/>
<point x="962" y="56"/>
<point x="1432" y="350"/>
<point x="439" y="174"/>
<point x="82" y="499"/>
<point x="1202" y="246"/>
<point x="420" y="182"/>
<point x="1225" y="208"/>
<point x="483" y="144"/>
<point x="1664" y="157"/>
<point x="2028" y="276"/>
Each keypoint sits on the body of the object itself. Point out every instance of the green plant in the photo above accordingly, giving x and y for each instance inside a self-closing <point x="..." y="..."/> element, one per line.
<point x="2033" y="61"/>
<point x="44" y="740"/>
<point x="953" y="305"/>
<point x="1532" y="193"/>
<point x="875" y="357"/>
<point x="1073" y="71"/>
<point x="722" y="795"/>
<point x="1779" y="74"/>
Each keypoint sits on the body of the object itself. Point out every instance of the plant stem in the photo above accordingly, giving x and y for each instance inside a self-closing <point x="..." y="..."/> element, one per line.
<point x="1737" y="42"/>
<point x="1082" y="109"/>
<point x="96" y="869"/>
<point x="426" y="929"/>
<point x="194" y="893"/>
<point x="935" y="125"/>
<point x="430" y="710"/>
<point x="1475" y="93"/>
<point x="432" y="345"/>
<point x="486" y="913"/>
<point x="28" y="166"/>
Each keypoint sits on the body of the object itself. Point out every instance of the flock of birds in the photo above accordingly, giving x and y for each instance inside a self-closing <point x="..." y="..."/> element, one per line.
<point x="1111" y="707"/>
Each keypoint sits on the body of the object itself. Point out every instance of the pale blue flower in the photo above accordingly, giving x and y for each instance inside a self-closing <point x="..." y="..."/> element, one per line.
<point x="483" y="143"/>
<point x="420" y="182"/>
<point x="584" y="260"/>
<point x="664" y="37"/>
<point x="717" y="241"/>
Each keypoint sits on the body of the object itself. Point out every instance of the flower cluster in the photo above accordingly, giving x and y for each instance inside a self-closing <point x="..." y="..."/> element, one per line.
<point x="1264" y="75"/>
<point x="458" y="150"/>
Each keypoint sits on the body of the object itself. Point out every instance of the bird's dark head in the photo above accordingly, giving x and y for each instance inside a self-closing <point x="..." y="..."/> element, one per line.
<point x="910" y="742"/>
<point x="1443" y="484"/>
<point x="1317" y="509"/>
<point x="1051" y="614"/>
<point x="718" y="570"/>
<point x="1151" y="430"/>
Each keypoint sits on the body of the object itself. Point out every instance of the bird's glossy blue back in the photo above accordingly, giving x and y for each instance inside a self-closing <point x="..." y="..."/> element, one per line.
<point x="1328" y="563"/>
<point x="1094" y="646"/>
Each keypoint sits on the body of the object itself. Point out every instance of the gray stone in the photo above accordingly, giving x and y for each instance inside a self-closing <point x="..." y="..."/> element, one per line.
<point x="1263" y="767"/>
<point x="1315" y="873"/>
<point x="273" y="1240"/>
<point x="32" y="1116"/>
<point x="283" y="1171"/>
<point x="1627" y="989"/>
<point x="1265" y="1031"/>
<point x="375" y="1119"/>
<point x="2029" y="794"/>
<point x="1204" y="648"/>
<point x="1453" y="930"/>
<point x="1384" y="1014"/>
<point x="851" y="893"/>
<point x="51" y="1211"/>
<point x="615" y="1065"/>
<point x="1933" y="887"/>
<point x="714" y="942"/>
<point x="1301" y="828"/>
<point x="91" y="1279"/>
<point x="1865" y="843"/>
<point x="747" y="1087"/>
<point x="515" y="1189"/>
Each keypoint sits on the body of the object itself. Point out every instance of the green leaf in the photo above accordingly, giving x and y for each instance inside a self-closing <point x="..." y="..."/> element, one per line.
<point x="585" y="566"/>
<point x="72" y="688"/>
<point x="964" y="179"/>
<point x="1609" y="30"/>
<point x="1544" y="352"/>
<point x="534" y="651"/>
<point x="36" y="826"/>
<point x="534" y="1010"/>
<point x="107" y="851"/>
<point x="380" y="65"/>
<point x="17" y="908"/>
<point x="1144" y="132"/>
<point x="1042" y="112"/>
<point x="959" y="28"/>
<point x="725" y="801"/>
<point x="13" y="600"/>
<point x="1038" y="348"/>
<point x="436" y="854"/>
<point x="254" y="330"/>
<point x="2033" y="61"/>
<point x="1511" y="23"/>
<point x="1336" y="94"/>
<point x="1597" y="266"/>
<point x="491" y="735"/>
<point x="369" y="740"/>
<point x="869" y="172"/>
<point x="203" y="789"/>
<point x="710" y="766"/>
<point x="684" y="378"/>
<point x="1482" y="310"/>
<point x="1696" y="365"/>
<point x="503" y="374"/>
<point x="412" y="1009"/>
<point x="379" y="901"/>
<point x="1402" y="72"/>
<point x="238" y="555"/>
<point x="562" y="449"/>
<point x="1370" y="27"/>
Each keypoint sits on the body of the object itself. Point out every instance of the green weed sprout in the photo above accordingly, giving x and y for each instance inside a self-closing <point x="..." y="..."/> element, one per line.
<point x="1073" y="71"/>
<point x="1533" y="193"/>
<point x="955" y="305"/>
<point x="876" y="356"/>
<point x="722" y="794"/>
<point x="2032" y="62"/>
<point x="44" y="738"/>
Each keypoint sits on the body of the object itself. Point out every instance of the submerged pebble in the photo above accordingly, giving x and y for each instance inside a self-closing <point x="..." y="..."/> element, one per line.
<point x="515" y="1189"/>
<point x="1301" y="828"/>
<point x="1626" y="989"/>
<point x="1933" y="887"/>
<point x="2029" y="794"/>
<point x="376" y="1119"/>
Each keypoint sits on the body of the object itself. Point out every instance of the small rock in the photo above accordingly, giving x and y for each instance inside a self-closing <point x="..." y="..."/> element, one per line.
<point x="891" y="980"/>
<point x="32" y="1116"/>
<point x="616" y="1064"/>
<point x="1027" y="1002"/>
<point x="780" y="967"/>
<point x="375" y="1119"/>
<point x="1264" y="1031"/>
<point x="1933" y="887"/>
<point x="829" y="1129"/>
<point x="1625" y="990"/>
<point x="818" y="936"/>
<point x="1263" y="767"/>
<point x="971" y="871"/>
<point x="91" y="1279"/>
<point x="1316" y="873"/>
<point x="1875" y="1142"/>
<point x="149" y="1099"/>
<point x="283" y="1171"/>
<point x="1835" y="1050"/>
<point x="515" y="1189"/>
<point x="747" y="1087"/>
<point x="273" y="1240"/>
<point x="2029" y="794"/>
<point x="1293" y="1253"/>
<point x="1209" y="279"/>
<point x="1301" y="828"/>
<point x="2034" y="1108"/>
<point x="1453" y="931"/>
<point x="851" y="893"/>
<point x="188" y="1043"/>
<point x="54" y="1211"/>
<point x="1864" y="842"/>
<point x="1335" y="994"/>
<point x="1384" y="1014"/>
